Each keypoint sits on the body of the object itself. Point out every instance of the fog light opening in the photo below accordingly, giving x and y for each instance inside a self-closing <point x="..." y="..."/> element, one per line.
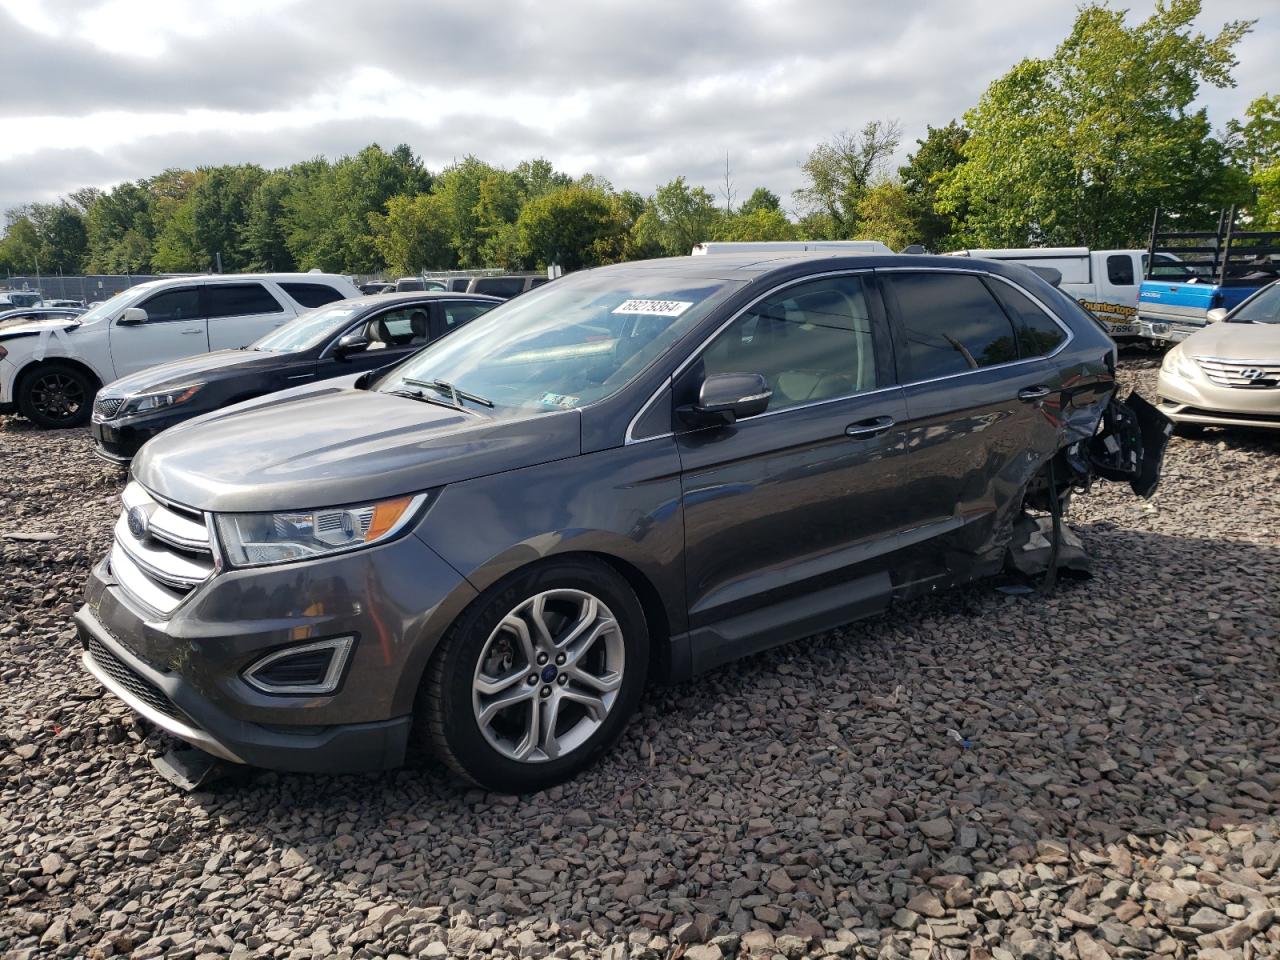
<point x="307" y="668"/>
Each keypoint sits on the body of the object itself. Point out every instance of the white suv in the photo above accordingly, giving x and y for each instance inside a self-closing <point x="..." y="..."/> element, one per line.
<point x="50" y="371"/>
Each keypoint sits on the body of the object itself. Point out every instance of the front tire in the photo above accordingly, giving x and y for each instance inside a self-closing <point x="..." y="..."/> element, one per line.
<point x="56" y="396"/>
<point x="538" y="677"/>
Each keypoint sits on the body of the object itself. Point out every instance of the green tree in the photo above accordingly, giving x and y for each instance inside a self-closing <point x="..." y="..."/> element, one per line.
<point x="263" y="235"/>
<point x="757" y="223"/>
<point x="329" y="211"/>
<point x="1255" y="145"/>
<point x="838" y="173"/>
<point x="677" y="217"/>
<point x="458" y="187"/>
<point x="573" y="226"/>
<point x="762" y="198"/>
<point x="20" y="249"/>
<point x="885" y="213"/>
<point x="120" y="230"/>
<point x="1079" y="148"/>
<point x="414" y="234"/>
<point x="538" y="177"/>
<point x="940" y="152"/>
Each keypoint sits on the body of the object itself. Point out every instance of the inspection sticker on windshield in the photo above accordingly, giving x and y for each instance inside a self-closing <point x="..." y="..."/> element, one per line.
<point x="560" y="400"/>
<point x="654" y="308"/>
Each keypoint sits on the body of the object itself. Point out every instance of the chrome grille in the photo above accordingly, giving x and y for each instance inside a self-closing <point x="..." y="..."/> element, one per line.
<point x="104" y="408"/>
<point x="123" y="674"/>
<point x="1252" y="374"/>
<point x="163" y="554"/>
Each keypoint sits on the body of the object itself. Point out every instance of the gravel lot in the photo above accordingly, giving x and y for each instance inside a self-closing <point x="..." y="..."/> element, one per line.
<point x="1117" y="796"/>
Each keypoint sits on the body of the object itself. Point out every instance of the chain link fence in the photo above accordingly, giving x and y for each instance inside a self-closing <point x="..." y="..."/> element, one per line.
<point x="87" y="289"/>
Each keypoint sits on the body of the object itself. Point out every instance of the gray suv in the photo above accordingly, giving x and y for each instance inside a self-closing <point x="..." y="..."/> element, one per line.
<point x="637" y="472"/>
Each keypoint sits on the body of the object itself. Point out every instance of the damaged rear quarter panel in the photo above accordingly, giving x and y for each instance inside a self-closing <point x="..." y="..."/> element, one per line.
<point x="980" y="447"/>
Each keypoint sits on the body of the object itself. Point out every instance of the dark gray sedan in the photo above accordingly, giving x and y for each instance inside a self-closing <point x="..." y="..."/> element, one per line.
<point x="347" y="336"/>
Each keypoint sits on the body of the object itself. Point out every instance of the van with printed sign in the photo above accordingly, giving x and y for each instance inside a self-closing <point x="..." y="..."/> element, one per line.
<point x="1105" y="282"/>
<point x="50" y="370"/>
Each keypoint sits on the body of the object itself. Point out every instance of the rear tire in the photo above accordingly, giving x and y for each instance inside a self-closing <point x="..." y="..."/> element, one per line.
<point x="537" y="678"/>
<point x="56" y="396"/>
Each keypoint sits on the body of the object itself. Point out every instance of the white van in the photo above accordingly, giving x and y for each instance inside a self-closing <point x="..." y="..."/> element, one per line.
<point x="789" y="246"/>
<point x="1104" y="281"/>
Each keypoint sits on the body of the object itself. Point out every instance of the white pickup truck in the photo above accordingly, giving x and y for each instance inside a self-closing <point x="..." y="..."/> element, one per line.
<point x="50" y="370"/>
<point x="1104" y="281"/>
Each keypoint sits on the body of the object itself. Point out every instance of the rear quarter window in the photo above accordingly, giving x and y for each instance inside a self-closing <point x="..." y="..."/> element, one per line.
<point x="1037" y="333"/>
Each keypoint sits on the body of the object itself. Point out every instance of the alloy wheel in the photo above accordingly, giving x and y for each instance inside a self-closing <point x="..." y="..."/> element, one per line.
<point x="548" y="675"/>
<point x="57" y="396"/>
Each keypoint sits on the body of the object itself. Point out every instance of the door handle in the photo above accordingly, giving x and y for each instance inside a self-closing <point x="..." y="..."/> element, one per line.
<point x="1030" y="394"/>
<point x="868" y="428"/>
<point x="192" y="333"/>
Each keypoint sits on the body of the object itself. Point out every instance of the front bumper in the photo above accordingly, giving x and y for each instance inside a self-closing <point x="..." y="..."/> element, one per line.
<point x="118" y="441"/>
<point x="184" y="673"/>
<point x="1167" y="331"/>
<point x="1186" y="400"/>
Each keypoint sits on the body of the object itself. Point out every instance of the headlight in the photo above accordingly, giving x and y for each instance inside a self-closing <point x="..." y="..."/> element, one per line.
<point x="256" y="539"/>
<point x="1178" y="364"/>
<point x="158" y="401"/>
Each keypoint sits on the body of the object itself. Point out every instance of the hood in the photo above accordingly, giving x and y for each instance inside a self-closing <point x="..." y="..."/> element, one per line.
<point x="204" y="366"/>
<point x="329" y="444"/>
<point x="1235" y="341"/>
<point x="34" y="327"/>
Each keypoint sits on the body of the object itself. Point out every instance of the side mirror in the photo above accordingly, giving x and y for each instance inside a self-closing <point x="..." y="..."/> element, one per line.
<point x="1216" y="315"/>
<point x="132" y="316"/>
<point x="728" y="397"/>
<point x="351" y="343"/>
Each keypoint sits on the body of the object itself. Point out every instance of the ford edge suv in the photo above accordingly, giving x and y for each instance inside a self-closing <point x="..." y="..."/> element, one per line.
<point x="641" y="471"/>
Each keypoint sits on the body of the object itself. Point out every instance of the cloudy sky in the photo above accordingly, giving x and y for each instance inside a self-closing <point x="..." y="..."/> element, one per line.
<point x="97" y="92"/>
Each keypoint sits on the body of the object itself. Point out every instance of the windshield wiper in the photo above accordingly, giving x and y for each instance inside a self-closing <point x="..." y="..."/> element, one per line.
<point x="444" y="386"/>
<point x="435" y="401"/>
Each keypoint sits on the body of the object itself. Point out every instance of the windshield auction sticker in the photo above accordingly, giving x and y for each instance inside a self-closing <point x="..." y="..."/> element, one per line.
<point x="560" y="400"/>
<point x="654" y="308"/>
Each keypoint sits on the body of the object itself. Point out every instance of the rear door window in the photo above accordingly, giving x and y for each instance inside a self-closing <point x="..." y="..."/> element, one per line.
<point x="311" y="294"/>
<point x="238" y="300"/>
<point x="182" y="304"/>
<point x="1120" y="270"/>
<point x="1037" y="333"/>
<point x="950" y="323"/>
<point x="456" y="314"/>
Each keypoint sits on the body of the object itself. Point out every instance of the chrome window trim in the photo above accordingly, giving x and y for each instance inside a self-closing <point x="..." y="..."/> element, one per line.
<point x="629" y="438"/>
<point x="1070" y="334"/>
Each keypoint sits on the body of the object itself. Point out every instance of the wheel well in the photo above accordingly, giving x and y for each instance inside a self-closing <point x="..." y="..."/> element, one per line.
<point x="32" y="368"/>
<point x="655" y="613"/>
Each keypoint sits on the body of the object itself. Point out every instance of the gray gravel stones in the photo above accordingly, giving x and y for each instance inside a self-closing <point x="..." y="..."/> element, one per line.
<point x="1119" y="797"/>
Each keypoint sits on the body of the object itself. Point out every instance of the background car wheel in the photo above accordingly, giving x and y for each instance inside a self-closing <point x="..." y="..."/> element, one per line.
<point x="537" y="677"/>
<point x="56" y="395"/>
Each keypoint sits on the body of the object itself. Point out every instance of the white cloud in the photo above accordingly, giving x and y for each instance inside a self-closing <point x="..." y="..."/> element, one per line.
<point x="94" y="92"/>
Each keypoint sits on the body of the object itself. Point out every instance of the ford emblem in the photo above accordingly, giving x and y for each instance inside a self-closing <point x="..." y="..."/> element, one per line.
<point x="138" y="522"/>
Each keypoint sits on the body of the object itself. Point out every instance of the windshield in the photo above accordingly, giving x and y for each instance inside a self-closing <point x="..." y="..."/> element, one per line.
<point x="566" y="344"/>
<point x="1263" y="307"/>
<point x="121" y="300"/>
<point x="309" y="329"/>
